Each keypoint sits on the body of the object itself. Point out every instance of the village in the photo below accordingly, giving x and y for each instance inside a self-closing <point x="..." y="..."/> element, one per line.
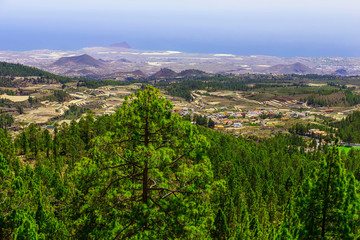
<point x="230" y="111"/>
<point x="259" y="119"/>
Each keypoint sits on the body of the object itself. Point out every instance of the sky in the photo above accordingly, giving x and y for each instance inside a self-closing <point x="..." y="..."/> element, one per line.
<point x="284" y="28"/>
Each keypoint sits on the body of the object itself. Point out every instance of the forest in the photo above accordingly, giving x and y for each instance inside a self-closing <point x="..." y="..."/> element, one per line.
<point x="147" y="173"/>
<point x="348" y="127"/>
<point x="19" y="70"/>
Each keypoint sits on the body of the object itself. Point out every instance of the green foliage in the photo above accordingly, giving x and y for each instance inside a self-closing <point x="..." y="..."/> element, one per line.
<point x="145" y="173"/>
<point x="6" y="120"/>
<point x="73" y="112"/>
<point x="152" y="172"/>
<point x="335" y="98"/>
<point x="303" y="129"/>
<point x="327" y="205"/>
<point x="272" y="85"/>
<point x="349" y="127"/>
<point x="58" y="95"/>
<point x="200" y="120"/>
<point x="19" y="70"/>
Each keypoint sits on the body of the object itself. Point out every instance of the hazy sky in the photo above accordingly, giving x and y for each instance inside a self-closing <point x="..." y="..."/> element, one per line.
<point x="267" y="27"/>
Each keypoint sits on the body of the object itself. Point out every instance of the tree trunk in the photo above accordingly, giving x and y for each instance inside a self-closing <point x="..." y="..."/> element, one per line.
<point x="146" y="169"/>
<point x="325" y="208"/>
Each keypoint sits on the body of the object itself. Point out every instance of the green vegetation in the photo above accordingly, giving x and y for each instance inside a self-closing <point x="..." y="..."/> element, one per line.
<point x="8" y="92"/>
<point x="267" y="87"/>
<point x="327" y="205"/>
<point x="19" y="70"/>
<point x="334" y="98"/>
<point x="203" y="121"/>
<point x="145" y="173"/>
<point x="74" y="112"/>
<point x="349" y="128"/>
<point x="302" y="129"/>
<point x="347" y="149"/>
<point x="58" y="96"/>
<point x="6" y="120"/>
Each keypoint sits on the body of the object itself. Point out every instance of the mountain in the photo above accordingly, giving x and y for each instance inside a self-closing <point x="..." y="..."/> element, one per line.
<point x="120" y="45"/>
<point x="164" y="73"/>
<point x="341" y="72"/>
<point x="79" y="60"/>
<point x="296" y="68"/>
<point x="119" y="58"/>
<point x="138" y="73"/>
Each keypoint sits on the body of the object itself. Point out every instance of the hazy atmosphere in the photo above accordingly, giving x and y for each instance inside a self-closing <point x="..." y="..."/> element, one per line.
<point x="278" y="28"/>
<point x="169" y="119"/>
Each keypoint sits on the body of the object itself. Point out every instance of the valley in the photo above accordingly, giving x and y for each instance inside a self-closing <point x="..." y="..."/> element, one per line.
<point x="255" y="106"/>
<point x="224" y="143"/>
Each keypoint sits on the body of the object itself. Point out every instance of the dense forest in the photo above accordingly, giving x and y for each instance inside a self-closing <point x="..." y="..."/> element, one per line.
<point x="19" y="70"/>
<point x="147" y="173"/>
<point x="349" y="127"/>
<point x="333" y="98"/>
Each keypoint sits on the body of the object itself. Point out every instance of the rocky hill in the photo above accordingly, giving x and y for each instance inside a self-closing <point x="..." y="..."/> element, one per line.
<point x="341" y="72"/>
<point x="296" y="68"/>
<point x="164" y="73"/>
<point x="85" y="60"/>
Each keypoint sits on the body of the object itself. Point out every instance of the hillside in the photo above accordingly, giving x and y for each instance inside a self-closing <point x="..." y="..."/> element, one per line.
<point x="341" y="72"/>
<point x="19" y="70"/>
<point x="84" y="59"/>
<point x="147" y="164"/>
<point x="82" y="72"/>
<point x="296" y="68"/>
<point x="164" y="73"/>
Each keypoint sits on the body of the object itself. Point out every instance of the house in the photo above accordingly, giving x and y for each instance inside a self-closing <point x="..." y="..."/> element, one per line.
<point x="237" y="125"/>
<point x="317" y="132"/>
<point x="220" y="127"/>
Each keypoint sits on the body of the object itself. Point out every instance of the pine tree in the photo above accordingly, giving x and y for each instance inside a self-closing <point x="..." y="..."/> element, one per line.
<point x="148" y="176"/>
<point x="327" y="205"/>
<point x="221" y="230"/>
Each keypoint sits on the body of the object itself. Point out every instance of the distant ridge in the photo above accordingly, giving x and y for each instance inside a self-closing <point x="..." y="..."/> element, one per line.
<point x="192" y="73"/>
<point x="79" y="60"/>
<point x="296" y="68"/>
<point x="164" y="73"/>
<point x="341" y="72"/>
<point x="120" y="45"/>
<point x="168" y="73"/>
<point x="123" y="60"/>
